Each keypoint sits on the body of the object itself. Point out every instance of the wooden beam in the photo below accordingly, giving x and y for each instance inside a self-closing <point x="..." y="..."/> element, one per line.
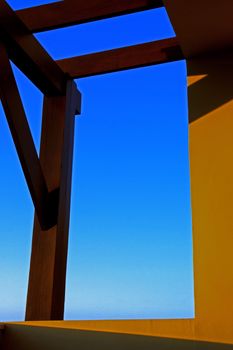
<point x="23" y="141"/>
<point x="27" y="53"/>
<point x="70" y="12"/>
<point x="46" y="290"/>
<point x="124" y="58"/>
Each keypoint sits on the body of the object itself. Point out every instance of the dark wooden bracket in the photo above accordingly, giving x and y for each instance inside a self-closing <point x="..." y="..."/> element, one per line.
<point x="27" y="53"/>
<point x="22" y="137"/>
<point x="45" y="202"/>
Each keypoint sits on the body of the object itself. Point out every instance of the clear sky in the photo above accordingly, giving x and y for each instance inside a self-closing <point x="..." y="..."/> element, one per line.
<point x="130" y="246"/>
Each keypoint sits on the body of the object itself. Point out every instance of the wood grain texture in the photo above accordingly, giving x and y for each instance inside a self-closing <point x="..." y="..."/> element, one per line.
<point x="141" y="55"/>
<point x="46" y="291"/>
<point x="70" y="12"/>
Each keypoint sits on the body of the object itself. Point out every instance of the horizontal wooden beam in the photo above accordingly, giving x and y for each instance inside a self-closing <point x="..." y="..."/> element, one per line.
<point x="27" y="53"/>
<point x="45" y="205"/>
<point x="141" y="55"/>
<point x="70" y="12"/>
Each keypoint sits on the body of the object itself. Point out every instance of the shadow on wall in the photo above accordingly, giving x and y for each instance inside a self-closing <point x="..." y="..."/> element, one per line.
<point x="206" y="88"/>
<point x="22" y="337"/>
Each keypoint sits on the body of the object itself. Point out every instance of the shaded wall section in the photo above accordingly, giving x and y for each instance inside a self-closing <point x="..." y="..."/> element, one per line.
<point x="36" y="338"/>
<point x="211" y="153"/>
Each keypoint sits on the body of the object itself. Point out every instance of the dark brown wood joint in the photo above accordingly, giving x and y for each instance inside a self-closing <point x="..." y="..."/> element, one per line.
<point x="46" y="203"/>
<point x="27" y="53"/>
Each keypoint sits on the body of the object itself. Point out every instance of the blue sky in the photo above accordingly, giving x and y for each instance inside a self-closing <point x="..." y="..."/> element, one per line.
<point x="130" y="246"/>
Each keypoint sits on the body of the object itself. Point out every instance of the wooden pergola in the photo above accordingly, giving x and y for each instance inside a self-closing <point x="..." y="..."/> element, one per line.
<point x="204" y="30"/>
<point x="49" y="176"/>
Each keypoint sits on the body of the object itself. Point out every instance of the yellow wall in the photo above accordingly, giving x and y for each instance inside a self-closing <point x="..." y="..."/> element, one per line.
<point x="211" y="164"/>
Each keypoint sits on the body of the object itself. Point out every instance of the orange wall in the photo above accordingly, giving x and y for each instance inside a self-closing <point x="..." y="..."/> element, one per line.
<point x="211" y="162"/>
<point x="211" y="165"/>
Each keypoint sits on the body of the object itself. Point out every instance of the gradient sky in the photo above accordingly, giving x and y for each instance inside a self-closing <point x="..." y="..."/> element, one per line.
<point x="130" y="245"/>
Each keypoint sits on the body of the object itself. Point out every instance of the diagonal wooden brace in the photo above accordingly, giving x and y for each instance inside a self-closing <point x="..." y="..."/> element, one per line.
<point x="27" y="53"/>
<point x="45" y="207"/>
<point x="46" y="202"/>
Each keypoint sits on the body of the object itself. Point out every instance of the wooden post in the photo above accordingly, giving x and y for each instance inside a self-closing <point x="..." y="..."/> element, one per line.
<point x="46" y="289"/>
